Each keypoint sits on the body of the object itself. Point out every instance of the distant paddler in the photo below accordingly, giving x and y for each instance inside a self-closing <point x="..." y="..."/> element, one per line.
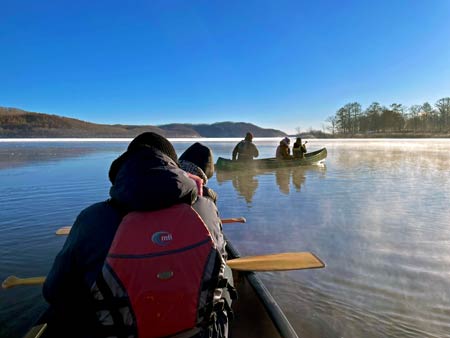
<point x="245" y="150"/>
<point x="283" y="152"/>
<point x="299" y="149"/>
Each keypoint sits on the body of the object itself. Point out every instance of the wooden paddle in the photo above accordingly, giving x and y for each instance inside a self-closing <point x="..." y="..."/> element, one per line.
<point x="233" y="220"/>
<point x="66" y="230"/>
<point x="36" y="331"/>
<point x="12" y="281"/>
<point x="277" y="262"/>
<point x="63" y="231"/>
<point x="273" y="262"/>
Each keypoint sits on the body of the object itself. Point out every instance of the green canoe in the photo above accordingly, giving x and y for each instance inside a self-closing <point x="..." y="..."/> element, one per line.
<point x="271" y="163"/>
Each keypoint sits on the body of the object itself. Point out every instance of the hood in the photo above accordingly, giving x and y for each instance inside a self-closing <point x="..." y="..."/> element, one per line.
<point x="198" y="159"/>
<point x="148" y="180"/>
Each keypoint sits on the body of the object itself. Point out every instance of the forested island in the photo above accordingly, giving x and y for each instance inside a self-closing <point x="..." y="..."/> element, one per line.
<point x="17" y="123"/>
<point x="396" y="120"/>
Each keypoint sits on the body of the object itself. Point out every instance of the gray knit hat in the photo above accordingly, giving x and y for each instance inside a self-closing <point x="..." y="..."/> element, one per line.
<point x="200" y="156"/>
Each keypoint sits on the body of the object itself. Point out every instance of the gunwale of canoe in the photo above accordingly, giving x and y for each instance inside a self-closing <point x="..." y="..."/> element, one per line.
<point x="256" y="313"/>
<point x="271" y="163"/>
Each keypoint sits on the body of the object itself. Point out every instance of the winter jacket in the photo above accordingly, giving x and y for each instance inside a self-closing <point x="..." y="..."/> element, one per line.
<point x="283" y="151"/>
<point x="194" y="169"/>
<point x="245" y="150"/>
<point x="298" y="150"/>
<point x="147" y="180"/>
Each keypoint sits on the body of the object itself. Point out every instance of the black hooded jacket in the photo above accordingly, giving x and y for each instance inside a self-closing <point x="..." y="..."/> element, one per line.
<point x="146" y="180"/>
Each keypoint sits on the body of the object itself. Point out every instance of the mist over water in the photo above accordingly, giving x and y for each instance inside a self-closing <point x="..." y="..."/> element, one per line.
<point x="377" y="212"/>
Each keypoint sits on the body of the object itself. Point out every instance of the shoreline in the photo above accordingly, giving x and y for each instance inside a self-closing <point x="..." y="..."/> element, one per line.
<point x="310" y="138"/>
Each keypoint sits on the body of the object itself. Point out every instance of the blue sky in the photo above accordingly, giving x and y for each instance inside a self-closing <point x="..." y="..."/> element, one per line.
<point x="277" y="64"/>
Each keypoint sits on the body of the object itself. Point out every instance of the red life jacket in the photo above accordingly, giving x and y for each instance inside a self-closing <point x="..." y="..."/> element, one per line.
<point x="159" y="276"/>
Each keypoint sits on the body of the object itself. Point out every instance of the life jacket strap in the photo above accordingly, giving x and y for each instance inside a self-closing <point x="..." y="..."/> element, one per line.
<point x="118" y="329"/>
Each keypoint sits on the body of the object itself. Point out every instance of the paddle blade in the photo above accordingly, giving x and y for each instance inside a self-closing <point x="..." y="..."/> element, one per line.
<point x="63" y="230"/>
<point x="13" y="281"/>
<point x="234" y="220"/>
<point x="277" y="262"/>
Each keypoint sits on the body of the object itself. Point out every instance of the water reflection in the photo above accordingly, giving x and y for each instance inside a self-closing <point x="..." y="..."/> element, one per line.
<point x="14" y="155"/>
<point x="388" y="155"/>
<point x="246" y="182"/>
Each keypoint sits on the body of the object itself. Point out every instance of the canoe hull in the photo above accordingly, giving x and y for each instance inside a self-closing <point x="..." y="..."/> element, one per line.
<point x="256" y="313"/>
<point x="271" y="163"/>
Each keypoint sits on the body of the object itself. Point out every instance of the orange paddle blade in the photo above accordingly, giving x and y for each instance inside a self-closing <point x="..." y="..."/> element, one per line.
<point x="277" y="262"/>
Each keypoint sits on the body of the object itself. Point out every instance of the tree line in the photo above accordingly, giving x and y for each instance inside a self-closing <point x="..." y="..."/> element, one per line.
<point x="351" y="119"/>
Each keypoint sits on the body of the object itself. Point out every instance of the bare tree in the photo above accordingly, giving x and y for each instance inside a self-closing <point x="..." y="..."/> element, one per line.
<point x="414" y="116"/>
<point x="332" y="121"/>
<point x="443" y="106"/>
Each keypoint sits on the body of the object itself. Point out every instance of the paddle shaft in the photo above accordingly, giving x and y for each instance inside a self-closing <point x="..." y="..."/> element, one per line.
<point x="66" y="230"/>
<point x="273" y="262"/>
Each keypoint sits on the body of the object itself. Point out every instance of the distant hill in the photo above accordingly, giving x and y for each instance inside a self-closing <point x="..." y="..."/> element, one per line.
<point x="15" y="123"/>
<point x="219" y="129"/>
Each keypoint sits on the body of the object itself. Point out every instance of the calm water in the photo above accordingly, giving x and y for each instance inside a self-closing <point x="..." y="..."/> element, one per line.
<point x="377" y="213"/>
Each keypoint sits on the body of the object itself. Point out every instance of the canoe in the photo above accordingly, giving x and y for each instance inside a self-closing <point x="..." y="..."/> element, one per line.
<point x="271" y="163"/>
<point x="256" y="313"/>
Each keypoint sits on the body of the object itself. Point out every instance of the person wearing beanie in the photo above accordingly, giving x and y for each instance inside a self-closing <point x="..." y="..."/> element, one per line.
<point x="283" y="152"/>
<point x="146" y="177"/>
<point x="299" y="149"/>
<point x="145" y="140"/>
<point x="245" y="150"/>
<point x="198" y="160"/>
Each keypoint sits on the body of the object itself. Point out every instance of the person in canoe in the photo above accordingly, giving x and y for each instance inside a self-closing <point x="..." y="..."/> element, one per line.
<point x="299" y="149"/>
<point x="245" y="150"/>
<point x="133" y="265"/>
<point x="198" y="160"/>
<point x="283" y="151"/>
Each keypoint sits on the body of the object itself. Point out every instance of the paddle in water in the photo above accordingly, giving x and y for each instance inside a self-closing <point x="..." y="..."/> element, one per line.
<point x="277" y="262"/>
<point x="12" y="281"/>
<point x="274" y="262"/>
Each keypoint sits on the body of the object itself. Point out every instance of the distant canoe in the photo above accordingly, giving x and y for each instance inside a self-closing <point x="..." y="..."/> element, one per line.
<point x="272" y="163"/>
